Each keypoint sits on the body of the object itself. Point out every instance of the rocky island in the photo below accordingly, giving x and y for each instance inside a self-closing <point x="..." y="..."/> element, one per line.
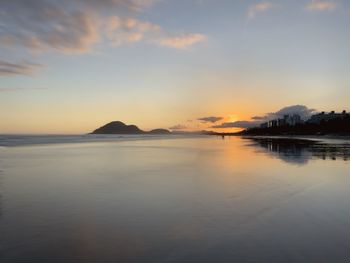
<point x="118" y="127"/>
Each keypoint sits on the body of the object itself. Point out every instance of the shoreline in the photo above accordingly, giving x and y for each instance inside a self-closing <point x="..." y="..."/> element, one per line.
<point x="317" y="138"/>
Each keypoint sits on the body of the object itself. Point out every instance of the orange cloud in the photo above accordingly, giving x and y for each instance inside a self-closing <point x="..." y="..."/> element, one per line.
<point x="259" y="8"/>
<point x="181" y="42"/>
<point x="127" y="30"/>
<point x="319" y="5"/>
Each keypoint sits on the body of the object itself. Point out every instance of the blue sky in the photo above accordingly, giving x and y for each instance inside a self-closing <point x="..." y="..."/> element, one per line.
<point x="70" y="66"/>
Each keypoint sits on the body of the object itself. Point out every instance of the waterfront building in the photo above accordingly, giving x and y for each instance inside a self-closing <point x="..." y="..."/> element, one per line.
<point x="321" y="117"/>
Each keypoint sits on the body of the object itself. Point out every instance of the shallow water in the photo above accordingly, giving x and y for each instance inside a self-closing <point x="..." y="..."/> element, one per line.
<point x="171" y="199"/>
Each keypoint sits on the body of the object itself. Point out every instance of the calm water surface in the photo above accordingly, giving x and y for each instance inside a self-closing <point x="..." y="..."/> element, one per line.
<point x="175" y="200"/>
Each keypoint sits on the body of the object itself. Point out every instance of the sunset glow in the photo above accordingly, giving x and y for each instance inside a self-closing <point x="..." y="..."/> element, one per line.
<point x="168" y="63"/>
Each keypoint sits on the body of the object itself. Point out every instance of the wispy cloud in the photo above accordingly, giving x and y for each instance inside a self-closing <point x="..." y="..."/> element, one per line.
<point x="236" y="124"/>
<point x="19" y="68"/>
<point x="121" y="30"/>
<point x="47" y="26"/>
<point x="262" y="7"/>
<point x="15" y="89"/>
<point x="182" y="41"/>
<point x="75" y="26"/>
<point x="211" y="119"/>
<point x="321" y="5"/>
<point x="178" y="127"/>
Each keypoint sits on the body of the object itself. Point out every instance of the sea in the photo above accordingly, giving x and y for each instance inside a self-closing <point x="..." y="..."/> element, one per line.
<point x="173" y="198"/>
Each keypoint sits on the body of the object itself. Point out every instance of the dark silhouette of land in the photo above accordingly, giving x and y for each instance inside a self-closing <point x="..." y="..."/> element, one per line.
<point x="336" y="126"/>
<point x="332" y="124"/>
<point x="320" y="124"/>
<point x="118" y="127"/>
<point x="159" y="131"/>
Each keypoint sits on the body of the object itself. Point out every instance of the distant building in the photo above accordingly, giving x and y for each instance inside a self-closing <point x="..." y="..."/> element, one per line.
<point x="264" y="125"/>
<point x="292" y="120"/>
<point x="273" y="123"/>
<point x="320" y="117"/>
<point x="281" y="122"/>
<point x="287" y="120"/>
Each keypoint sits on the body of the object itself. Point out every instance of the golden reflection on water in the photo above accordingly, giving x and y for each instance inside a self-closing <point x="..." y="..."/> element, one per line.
<point x="175" y="200"/>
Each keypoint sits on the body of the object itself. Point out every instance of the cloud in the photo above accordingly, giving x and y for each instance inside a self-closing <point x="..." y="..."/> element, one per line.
<point x="181" y="42"/>
<point x="178" y="127"/>
<point x="259" y="8"/>
<point x="19" y="68"/>
<point x="236" y="124"/>
<point x="303" y="111"/>
<point x="210" y="119"/>
<point x="321" y="5"/>
<point x="75" y="26"/>
<point x="121" y="30"/>
<point x="258" y="118"/>
<point x="15" y="89"/>
<point x="45" y="25"/>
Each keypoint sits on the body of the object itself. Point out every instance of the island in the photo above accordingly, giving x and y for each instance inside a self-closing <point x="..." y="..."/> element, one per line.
<point x="118" y="127"/>
<point x="159" y="131"/>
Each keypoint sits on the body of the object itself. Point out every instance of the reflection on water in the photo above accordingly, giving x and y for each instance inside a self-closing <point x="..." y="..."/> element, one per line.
<point x="300" y="151"/>
<point x="173" y="200"/>
<point x="0" y="190"/>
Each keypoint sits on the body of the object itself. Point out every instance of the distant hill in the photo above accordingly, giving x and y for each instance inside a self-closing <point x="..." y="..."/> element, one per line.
<point x="159" y="131"/>
<point x="118" y="127"/>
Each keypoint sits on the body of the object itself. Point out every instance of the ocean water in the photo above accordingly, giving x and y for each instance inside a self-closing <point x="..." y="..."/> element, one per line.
<point x="173" y="199"/>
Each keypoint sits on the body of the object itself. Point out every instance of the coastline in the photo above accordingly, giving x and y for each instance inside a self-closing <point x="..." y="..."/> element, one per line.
<point x="333" y="139"/>
<point x="311" y="137"/>
<point x="327" y="139"/>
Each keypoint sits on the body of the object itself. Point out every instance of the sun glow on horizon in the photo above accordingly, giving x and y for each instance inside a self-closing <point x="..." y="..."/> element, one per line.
<point x="88" y="63"/>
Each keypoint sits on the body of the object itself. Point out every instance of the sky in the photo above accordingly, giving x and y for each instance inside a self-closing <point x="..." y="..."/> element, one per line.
<point x="71" y="66"/>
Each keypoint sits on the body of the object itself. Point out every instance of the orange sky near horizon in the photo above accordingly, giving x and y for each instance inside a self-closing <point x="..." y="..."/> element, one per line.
<point x="167" y="62"/>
